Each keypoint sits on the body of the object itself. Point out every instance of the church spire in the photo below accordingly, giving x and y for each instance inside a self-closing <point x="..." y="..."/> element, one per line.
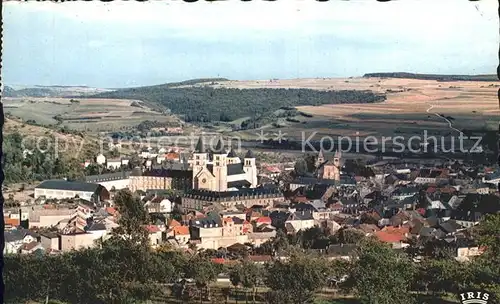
<point x="249" y="154"/>
<point x="199" y="146"/>
<point x="219" y="148"/>
<point x="321" y="154"/>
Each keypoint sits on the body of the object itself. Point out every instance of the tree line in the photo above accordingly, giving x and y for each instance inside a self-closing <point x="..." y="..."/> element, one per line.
<point x="124" y="269"/>
<point x="38" y="164"/>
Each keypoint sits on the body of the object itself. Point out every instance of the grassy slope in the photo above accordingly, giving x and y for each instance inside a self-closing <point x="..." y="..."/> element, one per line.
<point x="70" y="145"/>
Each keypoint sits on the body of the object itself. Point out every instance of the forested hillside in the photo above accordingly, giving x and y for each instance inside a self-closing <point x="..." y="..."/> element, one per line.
<point x="434" y="76"/>
<point x="209" y="104"/>
<point x="205" y="104"/>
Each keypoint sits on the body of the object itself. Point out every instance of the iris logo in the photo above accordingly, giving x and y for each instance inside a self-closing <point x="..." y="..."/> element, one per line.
<point x="474" y="297"/>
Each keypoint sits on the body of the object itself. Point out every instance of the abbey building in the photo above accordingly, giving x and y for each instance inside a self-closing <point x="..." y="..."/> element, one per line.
<point x="219" y="170"/>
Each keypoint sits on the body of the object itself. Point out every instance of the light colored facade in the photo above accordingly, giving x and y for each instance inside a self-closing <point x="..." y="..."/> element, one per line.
<point x="113" y="164"/>
<point x="49" y="217"/>
<point x="79" y="240"/>
<point x="50" y="241"/>
<point x="62" y="189"/>
<point x="330" y="169"/>
<point x="100" y="159"/>
<point x="258" y="238"/>
<point x="62" y="194"/>
<point x="12" y="247"/>
<point x="323" y="215"/>
<point x="145" y="183"/>
<point x="163" y="206"/>
<point x="214" y="236"/>
<point x="160" y="180"/>
<point x="464" y="253"/>
<point x="197" y="200"/>
<point x="217" y="171"/>
<point x="115" y="184"/>
<point x="425" y="180"/>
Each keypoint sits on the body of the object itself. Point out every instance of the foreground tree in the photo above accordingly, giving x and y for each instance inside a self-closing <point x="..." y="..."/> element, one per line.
<point x="296" y="280"/>
<point x="132" y="219"/>
<point x="381" y="275"/>
<point x="203" y="271"/>
<point x="247" y="274"/>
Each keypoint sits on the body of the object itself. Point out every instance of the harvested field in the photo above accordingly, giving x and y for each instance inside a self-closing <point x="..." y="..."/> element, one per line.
<point x="82" y="114"/>
<point x="410" y="108"/>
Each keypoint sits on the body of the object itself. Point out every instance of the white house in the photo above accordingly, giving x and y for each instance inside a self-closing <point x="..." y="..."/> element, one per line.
<point x="404" y="193"/>
<point x="114" y="163"/>
<point x="100" y="159"/>
<point x="300" y="220"/>
<point x="493" y="178"/>
<point x="16" y="238"/>
<point x="159" y="205"/>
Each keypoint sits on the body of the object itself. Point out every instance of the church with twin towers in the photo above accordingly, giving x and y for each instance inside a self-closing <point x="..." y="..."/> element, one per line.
<point x="221" y="170"/>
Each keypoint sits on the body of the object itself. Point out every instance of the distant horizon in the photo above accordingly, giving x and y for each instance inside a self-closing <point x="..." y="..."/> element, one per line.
<point x="209" y="78"/>
<point x="133" y="44"/>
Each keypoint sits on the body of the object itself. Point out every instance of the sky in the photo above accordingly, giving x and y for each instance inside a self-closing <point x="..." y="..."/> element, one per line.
<point x="127" y="44"/>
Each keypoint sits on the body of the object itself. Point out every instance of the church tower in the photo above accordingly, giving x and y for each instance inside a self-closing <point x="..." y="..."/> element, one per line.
<point x="250" y="168"/>
<point x="321" y="158"/>
<point x="232" y="157"/>
<point x="220" y="167"/>
<point x="336" y="159"/>
<point x="336" y="162"/>
<point x="200" y="159"/>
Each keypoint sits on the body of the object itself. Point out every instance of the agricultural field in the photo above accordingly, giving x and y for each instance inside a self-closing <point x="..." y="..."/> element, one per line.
<point x="81" y="114"/>
<point x="412" y="106"/>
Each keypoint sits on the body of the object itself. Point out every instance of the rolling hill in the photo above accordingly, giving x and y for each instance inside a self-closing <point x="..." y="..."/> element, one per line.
<point x="51" y="91"/>
<point x="433" y="76"/>
<point x="199" y="101"/>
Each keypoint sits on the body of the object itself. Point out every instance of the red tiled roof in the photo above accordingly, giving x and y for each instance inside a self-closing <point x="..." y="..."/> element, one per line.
<point x="421" y="211"/>
<point x="29" y="246"/>
<point x="300" y="199"/>
<point x="111" y="210"/>
<point x="11" y="221"/>
<point x="358" y="178"/>
<point x="336" y="206"/>
<point x="227" y="219"/>
<point x="152" y="228"/>
<point x="218" y="260"/>
<point x="431" y="190"/>
<point x="181" y="230"/>
<point x="264" y="219"/>
<point x="388" y="237"/>
<point x="396" y="230"/>
<point x="392" y="234"/>
<point x="172" y="156"/>
<point x="173" y="223"/>
<point x="272" y="169"/>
